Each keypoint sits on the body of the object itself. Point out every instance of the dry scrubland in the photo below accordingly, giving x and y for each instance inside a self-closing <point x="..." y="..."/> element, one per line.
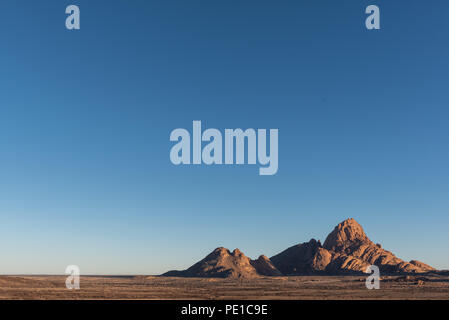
<point x="298" y="287"/>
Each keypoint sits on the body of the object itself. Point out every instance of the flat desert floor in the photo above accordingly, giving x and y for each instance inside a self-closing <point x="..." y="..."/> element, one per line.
<point x="153" y="287"/>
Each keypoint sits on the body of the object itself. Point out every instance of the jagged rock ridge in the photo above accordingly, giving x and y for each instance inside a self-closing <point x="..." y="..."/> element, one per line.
<point x="347" y="249"/>
<point x="221" y="263"/>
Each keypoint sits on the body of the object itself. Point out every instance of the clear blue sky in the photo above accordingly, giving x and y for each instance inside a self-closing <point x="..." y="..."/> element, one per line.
<point x="85" y="119"/>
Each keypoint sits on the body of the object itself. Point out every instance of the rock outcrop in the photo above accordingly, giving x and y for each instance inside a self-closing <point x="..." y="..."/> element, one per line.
<point x="265" y="267"/>
<point x="422" y="265"/>
<point x="221" y="263"/>
<point x="346" y="250"/>
<point x="301" y="258"/>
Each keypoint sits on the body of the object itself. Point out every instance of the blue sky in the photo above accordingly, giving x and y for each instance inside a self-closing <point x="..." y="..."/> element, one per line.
<point x="85" y="119"/>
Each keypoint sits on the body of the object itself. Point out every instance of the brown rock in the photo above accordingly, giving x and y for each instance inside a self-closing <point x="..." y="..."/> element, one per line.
<point x="264" y="266"/>
<point x="321" y="259"/>
<point x="221" y="263"/>
<point x="347" y="249"/>
<point x="349" y="238"/>
<point x="346" y="234"/>
<point x="299" y="259"/>
<point x="422" y="265"/>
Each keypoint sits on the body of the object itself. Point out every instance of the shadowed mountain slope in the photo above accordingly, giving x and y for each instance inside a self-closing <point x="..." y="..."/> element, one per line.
<point x="347" y="249"/>
<point x="221" y="263"/>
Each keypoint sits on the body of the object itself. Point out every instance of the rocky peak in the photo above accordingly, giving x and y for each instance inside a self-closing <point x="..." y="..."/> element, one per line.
<point x="263" y="258"/>
<point x="346" y="250"/>
<point x="218" y="252"/>
<point x="264" y="266"/>
<point x="222" y="263"/>
<point x="296" y="259"/>
<point x="237" y="253"/>
<point x="345" y="234"/>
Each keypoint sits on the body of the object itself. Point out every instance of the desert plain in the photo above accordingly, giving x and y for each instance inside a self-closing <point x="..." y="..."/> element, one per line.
<point x="431" y="286"/>
<point x="311" y="270"/>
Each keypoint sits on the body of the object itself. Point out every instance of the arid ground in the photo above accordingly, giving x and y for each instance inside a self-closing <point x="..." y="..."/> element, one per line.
<point x="153" y="287"/>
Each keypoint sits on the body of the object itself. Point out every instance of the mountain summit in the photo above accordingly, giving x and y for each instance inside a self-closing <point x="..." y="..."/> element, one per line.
<point x="346" y="234"/>
<point x="347" y="249"/>
<point x="222" y="263"/>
